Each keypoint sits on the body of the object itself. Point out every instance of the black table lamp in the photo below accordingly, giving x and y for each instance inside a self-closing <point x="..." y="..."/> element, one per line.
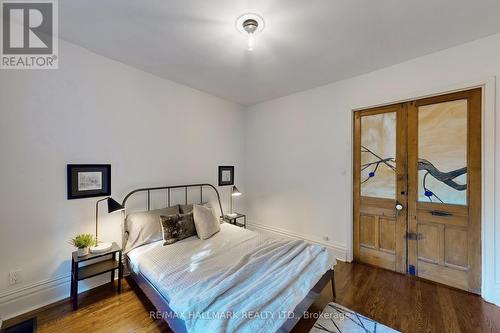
<point x="113" y="206"/>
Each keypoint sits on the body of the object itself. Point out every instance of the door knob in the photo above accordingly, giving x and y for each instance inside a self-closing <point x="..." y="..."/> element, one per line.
<point x="399" y="206"/>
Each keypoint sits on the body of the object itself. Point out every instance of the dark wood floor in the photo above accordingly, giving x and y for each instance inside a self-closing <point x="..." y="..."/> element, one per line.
<point x="404" y="303"/>
<point x="409" y="304"/>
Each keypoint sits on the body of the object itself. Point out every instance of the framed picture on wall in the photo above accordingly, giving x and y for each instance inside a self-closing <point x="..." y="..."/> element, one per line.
<point x="88" y="180"/>
<point x="226" y="175"/>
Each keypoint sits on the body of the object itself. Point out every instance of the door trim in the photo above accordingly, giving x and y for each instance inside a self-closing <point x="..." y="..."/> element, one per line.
<point x="490" y="284"/>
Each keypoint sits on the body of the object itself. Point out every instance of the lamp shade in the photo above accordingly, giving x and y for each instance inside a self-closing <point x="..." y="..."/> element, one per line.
<point x="235" y="192"/>
<point x="114" y="206"/>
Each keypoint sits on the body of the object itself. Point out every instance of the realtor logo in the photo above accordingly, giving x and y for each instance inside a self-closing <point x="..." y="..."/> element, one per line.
<point x="29" y="34"/>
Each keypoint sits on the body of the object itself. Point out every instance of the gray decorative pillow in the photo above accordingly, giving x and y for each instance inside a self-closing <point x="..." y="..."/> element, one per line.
<point x="205" y="221"/>
<point x="177" y="227"/>
<point x="143" y="227"/>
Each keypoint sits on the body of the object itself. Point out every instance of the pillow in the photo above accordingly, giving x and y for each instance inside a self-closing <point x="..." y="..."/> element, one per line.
<point x="177" y="227"/>
<point x="205" y="222"/>
<point x="143" y="227"/>
<point x="186" y="209"/>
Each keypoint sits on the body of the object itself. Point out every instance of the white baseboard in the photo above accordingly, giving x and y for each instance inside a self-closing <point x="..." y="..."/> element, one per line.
<point x="491" y="293"/>
<point x="495" y="299"/>
<point x="32" y="296"/>
<point x="337" y="250"/>
<point x="15" y="302"/>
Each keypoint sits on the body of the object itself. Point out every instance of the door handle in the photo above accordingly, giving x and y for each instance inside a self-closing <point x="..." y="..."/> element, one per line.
<point x="399" y="207"/>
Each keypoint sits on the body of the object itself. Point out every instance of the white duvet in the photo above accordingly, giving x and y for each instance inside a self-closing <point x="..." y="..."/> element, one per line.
<point x="236" y="281"/>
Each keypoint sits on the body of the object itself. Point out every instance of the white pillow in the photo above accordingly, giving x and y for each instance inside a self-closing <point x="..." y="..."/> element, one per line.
<point x="205" y="222"/>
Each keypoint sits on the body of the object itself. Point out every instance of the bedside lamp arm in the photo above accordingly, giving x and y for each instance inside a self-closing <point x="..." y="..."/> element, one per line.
<point x="97" y="218"/>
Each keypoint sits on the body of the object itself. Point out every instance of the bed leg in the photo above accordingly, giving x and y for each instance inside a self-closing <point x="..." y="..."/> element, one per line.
<point x="334" y="294"/>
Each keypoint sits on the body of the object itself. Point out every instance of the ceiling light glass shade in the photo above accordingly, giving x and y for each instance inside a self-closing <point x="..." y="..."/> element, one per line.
<point x="235" y="192"/>
<point x="250" y="25"/>
<point x="251" y="42"/>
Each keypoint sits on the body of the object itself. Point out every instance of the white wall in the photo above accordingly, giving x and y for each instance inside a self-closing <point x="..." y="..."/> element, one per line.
<point x="297" y="151"/>
<point x="294" y="154"/>
<point x="93" y="110"/>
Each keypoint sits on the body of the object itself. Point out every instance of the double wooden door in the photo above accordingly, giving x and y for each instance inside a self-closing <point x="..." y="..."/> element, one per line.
<point x="417" y="188"/>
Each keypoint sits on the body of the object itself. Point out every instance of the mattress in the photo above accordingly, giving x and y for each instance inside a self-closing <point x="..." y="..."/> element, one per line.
<point x="177" y="266"/>
<point x="181" y="264"/>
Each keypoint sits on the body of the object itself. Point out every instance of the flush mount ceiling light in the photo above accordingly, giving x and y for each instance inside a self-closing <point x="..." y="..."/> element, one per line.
<point x="250" y="25"/>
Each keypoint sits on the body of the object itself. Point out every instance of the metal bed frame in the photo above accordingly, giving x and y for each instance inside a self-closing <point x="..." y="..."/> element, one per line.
<point x="168" y="190"/>
<point x="161" y="304"/>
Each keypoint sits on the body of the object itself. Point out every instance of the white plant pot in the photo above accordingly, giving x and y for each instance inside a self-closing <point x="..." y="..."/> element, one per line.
<point x="83" y="251"/>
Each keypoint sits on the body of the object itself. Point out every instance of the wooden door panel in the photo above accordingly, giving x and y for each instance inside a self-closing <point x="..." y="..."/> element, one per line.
<point x="430" y="243"/>
<point x="367" y="231"/>
<point x="455" y="210"/>
<point x="426" y="216"/>
<point x="444" y="214"/>
<point x="378" y="258"/>
<point x="444" y="189"/>
<point x="443" y="274"/>
<point x="387" y="235"/>
<point x="380" y="183"/>
<point x="377" y="206"/>
<point x="379" y="211"/>
<point x="377" y="233"/>
<point x="455" y="247"/>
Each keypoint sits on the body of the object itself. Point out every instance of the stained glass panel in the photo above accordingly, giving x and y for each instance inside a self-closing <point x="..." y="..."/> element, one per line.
<point x="378" y="155"/>
<point x="442" y="152"/>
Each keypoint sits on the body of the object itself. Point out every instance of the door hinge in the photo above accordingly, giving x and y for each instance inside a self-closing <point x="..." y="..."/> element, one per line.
<point x="413" y="236"/>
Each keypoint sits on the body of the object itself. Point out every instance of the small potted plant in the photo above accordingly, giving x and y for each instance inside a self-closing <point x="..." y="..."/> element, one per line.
<point x="83" y="242"/>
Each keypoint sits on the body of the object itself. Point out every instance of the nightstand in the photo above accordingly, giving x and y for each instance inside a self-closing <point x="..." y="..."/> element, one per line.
<point x="108" y="264"/>
<point x="234" y="220"/>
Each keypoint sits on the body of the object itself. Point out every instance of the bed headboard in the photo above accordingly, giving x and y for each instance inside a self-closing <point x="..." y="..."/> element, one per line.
<point x="168" y="190"/>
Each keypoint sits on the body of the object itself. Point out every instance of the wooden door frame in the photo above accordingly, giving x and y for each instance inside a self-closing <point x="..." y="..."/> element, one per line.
<point x="490" y="286"/>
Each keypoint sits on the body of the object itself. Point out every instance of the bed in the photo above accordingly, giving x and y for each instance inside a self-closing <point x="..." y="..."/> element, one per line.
<point x="236" y="281"/>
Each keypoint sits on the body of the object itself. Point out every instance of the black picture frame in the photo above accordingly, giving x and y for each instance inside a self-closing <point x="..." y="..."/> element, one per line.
<point x="222" y="170"/>
<point x="97" y="182"/>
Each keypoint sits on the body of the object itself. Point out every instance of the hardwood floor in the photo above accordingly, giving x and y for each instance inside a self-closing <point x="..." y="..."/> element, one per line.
<point x="399" y="301"/>
<point x="408" y="304"/>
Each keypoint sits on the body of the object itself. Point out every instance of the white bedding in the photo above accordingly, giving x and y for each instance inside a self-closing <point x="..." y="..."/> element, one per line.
<point x="202" y="270"/>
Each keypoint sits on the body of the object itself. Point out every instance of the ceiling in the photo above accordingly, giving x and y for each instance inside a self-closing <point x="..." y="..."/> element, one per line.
<point x="304" y="44"/>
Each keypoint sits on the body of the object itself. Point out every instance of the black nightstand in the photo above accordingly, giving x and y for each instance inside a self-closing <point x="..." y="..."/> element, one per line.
<point x="107" y="265"/>
<point x="234" y="220"/>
